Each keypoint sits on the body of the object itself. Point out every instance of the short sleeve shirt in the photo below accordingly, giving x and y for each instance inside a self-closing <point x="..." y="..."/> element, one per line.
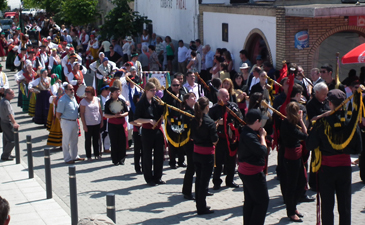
<point x="5" y="110"/>
<point x="68" y="107"/>
<point x="106" y="45"/>
<point x="92" y="111"/>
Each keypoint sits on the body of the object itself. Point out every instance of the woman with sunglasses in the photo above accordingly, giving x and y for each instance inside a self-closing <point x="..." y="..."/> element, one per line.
<point x="91" y="113"/>
<point x="114" y="56"/>
<point x="148" y="113"/>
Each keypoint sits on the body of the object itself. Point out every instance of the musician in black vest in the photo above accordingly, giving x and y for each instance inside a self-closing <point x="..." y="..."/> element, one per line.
<point x="116" y="125"/>
<point x="173" y="118"/>
<point x="148" y="113"/>
<point x="335" y="167"/>
<point x="226" y="149"/>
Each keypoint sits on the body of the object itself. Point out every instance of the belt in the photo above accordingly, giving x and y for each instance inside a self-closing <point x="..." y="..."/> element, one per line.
<point x="67" y="119"/>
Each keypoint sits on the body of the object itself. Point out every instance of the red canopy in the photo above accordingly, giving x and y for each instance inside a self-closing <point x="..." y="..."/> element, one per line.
<point x="356" y="55"/>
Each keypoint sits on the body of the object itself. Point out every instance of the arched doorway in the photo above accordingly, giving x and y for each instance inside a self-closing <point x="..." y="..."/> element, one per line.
<point x="341" y="42"/>
<point x="256" y="44"/>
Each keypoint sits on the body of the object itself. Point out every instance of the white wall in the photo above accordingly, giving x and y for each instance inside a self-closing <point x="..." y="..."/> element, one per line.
<point x="175" y="18"/>
<point x="14" y="4"/>
<point x="239" y="26"/>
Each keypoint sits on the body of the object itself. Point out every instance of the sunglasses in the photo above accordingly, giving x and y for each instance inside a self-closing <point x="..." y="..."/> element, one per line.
<point x="70" y="89"/>
<point x="87" y="91"/>
<point x="323" y="71"/>
<point x="175" y="85"/>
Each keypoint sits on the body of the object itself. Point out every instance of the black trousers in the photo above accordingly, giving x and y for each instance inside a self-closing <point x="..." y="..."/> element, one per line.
<point x="93" y="132"/>
<point x="104" y="134"/>
<point x="222" y="157"/>
<point x="295" y="184"/>
<point x="137" y="139"/>
<point x="335" y="181"/>
<point x="204" y="167"/>
<point x="117" y="142"/>
<point x="173" y="151"/>
<point x="190" y="169"/>
<point x="312" y="180"/>
<point x="152" y="140"/>
<point x="281" y="171"/>
<point x="362" y="166"/>
<point x="256" y="198"/>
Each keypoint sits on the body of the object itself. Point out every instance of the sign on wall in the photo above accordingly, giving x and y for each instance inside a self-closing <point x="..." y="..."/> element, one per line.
<point x="301" y="39"/>
<point x="225" y="32"/>
<point x="358" y="21"/>
<point x="166" y="4"/>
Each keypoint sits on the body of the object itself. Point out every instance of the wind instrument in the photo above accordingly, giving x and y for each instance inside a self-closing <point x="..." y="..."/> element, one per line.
<point x="172" y="95"/>
<point x="202" y="81"/>
<point x="277" y="83"/>
<point x="263" y="103"/>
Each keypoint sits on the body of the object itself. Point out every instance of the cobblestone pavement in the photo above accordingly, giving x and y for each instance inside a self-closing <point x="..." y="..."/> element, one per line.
<point x="137" y="203"/>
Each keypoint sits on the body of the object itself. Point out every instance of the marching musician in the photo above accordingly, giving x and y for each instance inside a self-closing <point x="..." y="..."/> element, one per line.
<point x="227" y="145"/>
<point x="334" y="174"/>
<point x="23" y="78"/>
<point x="105" y="69"/>
<point x="43" y="83"/>
<point x="204" y="135"/>
<point x="116" y="122"/>
<point x="174" y="119"/>
<point x="228" y="85"/>
<point x="21" y="57"/>
<point x="137" y="138"/>
<point x="187" y="105"/>
<point x="4" y="83"/>
<point x="42" y="57"/>
<point x="149" y="114"/>
<point x="54" y="65"/>
<point x="104" y="135"/>
<point x="251" y="156"/>
<point x="326" y="75"/>
<point x="76" y="77"/>
<point x="293" y="159"/>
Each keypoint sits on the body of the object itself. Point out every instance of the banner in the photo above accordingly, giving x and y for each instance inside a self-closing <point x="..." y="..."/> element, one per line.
<point x="162" y="76"/>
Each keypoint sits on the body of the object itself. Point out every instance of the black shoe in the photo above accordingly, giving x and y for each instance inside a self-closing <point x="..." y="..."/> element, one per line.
<point x="299" y="215"/>
<point x="182" y="165"/>
<point x="207" y="211"/>
<point x="209" y="193"/>
<point x="173" y="167"/>
<point x="116" y="164"/>
<point x="7" y="159"/>
<point x="216" y="187"/>
<point x="307" y="199"/>
<point x="189" y="197"/>
<point x="11" y="157"/>
<point x="160" y="182"/>
<point x="151" y="183"/>
<point x="297" y="221"/>
<point x="138" y="171"/>
<point x="232" y="185"/>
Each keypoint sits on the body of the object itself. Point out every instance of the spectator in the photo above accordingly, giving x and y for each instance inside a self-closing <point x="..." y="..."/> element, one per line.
<point x="67" y="113"/>
<point x="91" y="113"/>
<point x="153" y="62"/>
<point x="199" y="47"/>
<point x="153" y="41"/>
<point x="160" y="50"/>
<point x="269" y="70"/>
<point x="84" y="39"/>
<point x="113" y="55"/>
<point x="169" y="53"/>
<point x="105" y="46"/>
<point x="244" y="58"/>
<point x="4" y="211"/>
<point x="7" y="124"/>
<point x="209" y="62"/>
<point x="117" y="47"/>
<point x="181" y="57"/>
<point x="143" y="58"/>
<point x="145" y="38"/>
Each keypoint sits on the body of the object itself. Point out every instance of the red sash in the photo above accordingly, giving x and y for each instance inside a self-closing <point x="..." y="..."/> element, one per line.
<point x="336" y="160"/>
<point x="29" y="77"/>
<point x="204" y="150"/>
<point x="293" y="153"/>
<point x="249" y="169"/>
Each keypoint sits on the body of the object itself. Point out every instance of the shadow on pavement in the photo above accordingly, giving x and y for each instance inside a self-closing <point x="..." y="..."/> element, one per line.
<point x="125" y="177"/>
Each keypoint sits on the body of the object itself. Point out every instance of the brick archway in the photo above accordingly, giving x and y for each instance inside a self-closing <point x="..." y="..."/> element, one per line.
<point x="316" y="45"/>
<point x="259" y="32"/>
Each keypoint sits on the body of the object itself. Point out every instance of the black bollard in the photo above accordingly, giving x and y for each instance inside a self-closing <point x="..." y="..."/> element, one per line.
<point x="73" y="194"/>
<point x="30" y="157"/>
<point x="110" y="206"/>
<point x="47" y="166"/>
<point x="17" y="148"/>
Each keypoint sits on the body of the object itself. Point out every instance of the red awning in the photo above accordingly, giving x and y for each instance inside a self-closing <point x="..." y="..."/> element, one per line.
<point x="356" y="55"/>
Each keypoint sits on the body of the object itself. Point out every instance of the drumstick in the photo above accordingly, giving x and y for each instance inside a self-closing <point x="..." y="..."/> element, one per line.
<point x="276" y="111"/>
<point x="172" y="95"/>
<point x="160" y="101"/>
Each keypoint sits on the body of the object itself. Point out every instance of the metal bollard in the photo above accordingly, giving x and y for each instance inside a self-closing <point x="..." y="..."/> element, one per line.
<point x="30" y="157"/>
<point x="47" y="166"/>
<point x="17" y="148"/>
<point x="110" y="206"/>
<point x="73" y="194"/>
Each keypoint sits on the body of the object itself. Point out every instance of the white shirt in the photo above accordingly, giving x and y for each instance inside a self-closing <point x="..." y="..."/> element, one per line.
<point x="71" y="76"/>
<point x="181" y="54"/>
<point x="254" y="81"/>
<point x="195" y="88"/>
<point x="19" y="76"/>
<point x="43" y="59"/>
<point x="17" y="60"/>
<point x="95" y="45"/>
<point x="3" y="78"/>
<point x="65" y="58"/>
<point x="86" y="39"/>
<point x="53" y="88"/>
<point x="52" y="60"/>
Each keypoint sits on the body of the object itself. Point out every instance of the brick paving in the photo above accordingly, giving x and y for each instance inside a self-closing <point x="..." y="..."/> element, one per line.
<point x="137" y="203"/>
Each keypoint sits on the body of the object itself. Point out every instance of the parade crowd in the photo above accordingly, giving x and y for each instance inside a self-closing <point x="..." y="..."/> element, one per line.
<point x="210" y="117"/>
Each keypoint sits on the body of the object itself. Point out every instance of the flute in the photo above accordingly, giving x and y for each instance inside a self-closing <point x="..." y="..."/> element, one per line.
<point x="172" y="95"/>
<point x="276" y="111"/>
<point x="360" y="89"/>
<point x="220" y="102"/>
<point x="277" y="83"/>
<point x="160" y="101"/>
<point x="202" y="81"/>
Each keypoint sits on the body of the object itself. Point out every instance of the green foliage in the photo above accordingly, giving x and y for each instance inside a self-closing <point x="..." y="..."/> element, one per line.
<point x="3" y="4"/>
<point x="51" y="6"/>
<point x="122" y="21"/>
<point x="79" y="12"/>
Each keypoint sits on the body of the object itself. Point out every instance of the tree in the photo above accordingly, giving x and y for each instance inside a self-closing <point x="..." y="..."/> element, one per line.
<point x="3" y="4"/>
<point x="79" y="12"/>
<point x="51" y="6"/>
<point x="122" y="21"/>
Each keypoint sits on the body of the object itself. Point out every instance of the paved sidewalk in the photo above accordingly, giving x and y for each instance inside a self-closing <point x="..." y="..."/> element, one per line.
<point x="137" y="203"/>
<point x="27" y="198"/>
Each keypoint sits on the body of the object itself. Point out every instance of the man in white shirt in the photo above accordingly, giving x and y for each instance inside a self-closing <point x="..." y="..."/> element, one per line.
<point x="191" y="86"/>
<point x="84" y="39"/>
<point x="254" y="78"/>
<point x="66" y="36"/>
<point x="181" y="57"/>
<point x="316" y="76"/>
<point x="208" y="62"/>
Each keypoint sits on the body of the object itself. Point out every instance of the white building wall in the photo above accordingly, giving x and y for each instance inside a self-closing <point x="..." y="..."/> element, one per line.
<point x="175" y="18"/>
<point x="239" y="26"/>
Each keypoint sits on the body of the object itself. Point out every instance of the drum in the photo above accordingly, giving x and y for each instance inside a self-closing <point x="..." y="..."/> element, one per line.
<point x="116" y="106"/>
<point x="81" y="91"/>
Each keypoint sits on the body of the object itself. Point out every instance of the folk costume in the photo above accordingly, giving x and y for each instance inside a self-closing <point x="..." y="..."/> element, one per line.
<point x="76" y="78"/>
<point x="24" y="77"/>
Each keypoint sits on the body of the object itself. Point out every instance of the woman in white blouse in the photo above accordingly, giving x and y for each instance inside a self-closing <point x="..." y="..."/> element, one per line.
<point x="43" y="90"/>
<point x="54" y="64"/>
